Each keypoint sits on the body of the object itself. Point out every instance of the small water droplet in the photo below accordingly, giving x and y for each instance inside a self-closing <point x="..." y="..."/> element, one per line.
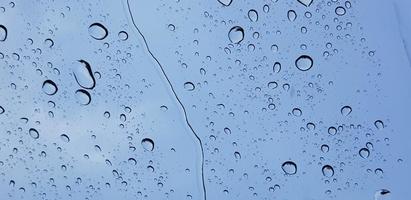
<point x="297" y="112"/>
<point x="64" y="138"/>
<point x="2" y="110"/>
<point x="123" y="35"/>
<point x="83" y="97"/>
<point x="49" y="42"/>
<point x="34" y="133"/>
<point x="84" y="75"/>
<point x="171" y="27"/>
<point x="3" y="33"/>
<point x="379" y="124"/>
<point x="289" y="168"/>
<point x="292" y="15"/>
<point x="340" y="11"/>
<point x="49" y="87"/>
<point x="325" y="148"/>
<point x="328" y="171"/>
<point x="147" y="144"/>
<point x="277" y="67"/>
<point x="332" y="130"/>
<point x="225" y="2"/>
<point x="304" y="62"/>
<point x="97" y="31"/>
<point x="346" y="110"/>
<point x="236" y="34"/>
<point x="364" y="153"/>
<point x="253" y="15"/>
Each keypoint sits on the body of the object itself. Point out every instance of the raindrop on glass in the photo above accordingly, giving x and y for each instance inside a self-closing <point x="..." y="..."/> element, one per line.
<point x="49" y="87"/>
<point x="189" y="86"/>
<point x="236" y="34"/>
<point x="64" y="138"/>
<point x="292" y="15"/>
<point x="364" y="153"/>
<point x="289" y="168"/>
<point x="83" y="97"/>
<point x="3" y="33"/>
<point x="379" y="124"/>
<point x="305" y="2"/>
<point x="225" y="2"/>
<point x="340" y="11"/>
<point x="147" y="144"/>
<point x="346" y="110"/>
<point x="84" y="75"/>
<point x="34" y="133"/>
<point x="304" y="62"/>
<point x="253" y="15"/>
<point x="328" y="171"/>
<point x="97" y="31"/>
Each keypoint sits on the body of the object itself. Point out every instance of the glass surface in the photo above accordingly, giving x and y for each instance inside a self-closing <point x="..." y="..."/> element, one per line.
<point x="216" y="99"/>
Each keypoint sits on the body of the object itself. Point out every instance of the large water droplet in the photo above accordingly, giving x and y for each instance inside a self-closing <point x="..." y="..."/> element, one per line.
<point x="346" y="110"/>
<point x="304" y="62"/>
<point x="236" y="34"/>
<point x="34" y="133"/>
<point x="340" y="11"/>
<point x="328" y="171"/>
<point x="189" y="86"/>
<point x="364" y="153"/>
<point x="225" y="2"/>
<point x="3" y="33"/>
<point x="49" y="87"/>
<point x="291" y="15"/>
<point x="253" y="15"/>
<point x="83" y="97"/>
<point x="147" y="144"/>
<point x="97" y="31"/>
<point x="2" y="110"/>
<point x="84" y="75"/>
<point x="289" y="168"/>
<point x="306" y="2"/>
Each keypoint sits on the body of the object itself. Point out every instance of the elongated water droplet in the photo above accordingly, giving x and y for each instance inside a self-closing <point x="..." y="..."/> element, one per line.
<point x="253" y="15"/>
<point x="97" y="31"/>
<point x="34" y="133"/>
<point x="189" y="86"/>
<point x="277" y="67"/>
<point x="84" y="75"/>
<point x="147" y="144"/>
<point x="225" y="2"/>
<point x="304" y="62"/>
<point x="83" y="97"/>
<point x="289" y="168"/>
<point x="236" y="34"/>
<point x="292" y="15"/>
<point x="306" y="2"/>
<point x="328" y="171"/>
<point x="3" y="33"/>
<point x="49" y="87"/>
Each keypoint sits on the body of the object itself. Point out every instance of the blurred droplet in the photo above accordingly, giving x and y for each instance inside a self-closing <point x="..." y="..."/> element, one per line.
<point x="306" y="2"/>
<point x="346" y="110"/>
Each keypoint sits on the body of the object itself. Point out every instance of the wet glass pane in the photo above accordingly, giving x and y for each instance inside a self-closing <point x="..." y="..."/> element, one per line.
<point x="217" y="99"/>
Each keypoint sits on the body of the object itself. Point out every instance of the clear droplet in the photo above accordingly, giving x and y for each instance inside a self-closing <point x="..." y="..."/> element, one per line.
<point x="83" y="97"/>
<point x="332" y="130"/>
<point x="325" y="148"/>
<point x="253" y="15"/>
<point x="147" y="144"/>
<point x="346" y="110"/>
<point x="97" y="31"/>
<point x="304" y="62"/>
<point x="379" y="124"/>
<point x="236" y="34"/>
<point x="340" y="11"/>
<point x="49" y="87"/>
<point x="292" y="15"/>
<point x="328" y="171"/>
<point x="306" y="2"/>
<point x="189" y="86"/>
<point x="3" y="33"/>
<point x="289" y="168"/>
<point x="64" y="138"/>
<point x="364" y="152"/>
<point x="49" y="42"/>
<point x="225" y="2"/>
<point x="123" y="35"/>
<point x="34" y="133"/>
<point x="84" y="75"/>
<point x="297" y="112"/>
<point x="277" y="67"/>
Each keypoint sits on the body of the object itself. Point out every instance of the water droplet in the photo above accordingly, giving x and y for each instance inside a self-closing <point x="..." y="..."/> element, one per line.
<point x="132" y="161"/>
<point x="292" y="15"/>
<point x="123" y="35"/>
<point x="325" y="148"/>
<point x="189" y="86"/>
<point x="225" y="2"/>
<point x="3" y="33"/>
<point x="49" y="42"/>
<point x="364" y="152"/>
<point x="297" y="112"/>
<point x="266" y="8"/>
<point x="236" y="34"/>
<point x="346" y="110"/>
<point x="97" y="31"/>
<point x="272" y="85"/>
<point x="328" y="171"/>
<point x="83" y="97"/>
<point x="253" y="15"/>
<point x="380" y="194"/>
<point x="306" y="2"/>
<point x="49" y="87"/>
<point x="34" y="133"/>
<point x="289" y="168"/>
<point x="171" y="27"/>
<point x="304" y="63"/>
<point x="237" y="155"/>
<point x="2" y="110"/>
<point x="332" y="130"/>
<point x="84" y="75"/>
<point x="379" y="124"/>
<point x="277" y="67"/>
<point x="64" y="138"/>
<point x="340" y="11"/>
<point x="147" y="144"/>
